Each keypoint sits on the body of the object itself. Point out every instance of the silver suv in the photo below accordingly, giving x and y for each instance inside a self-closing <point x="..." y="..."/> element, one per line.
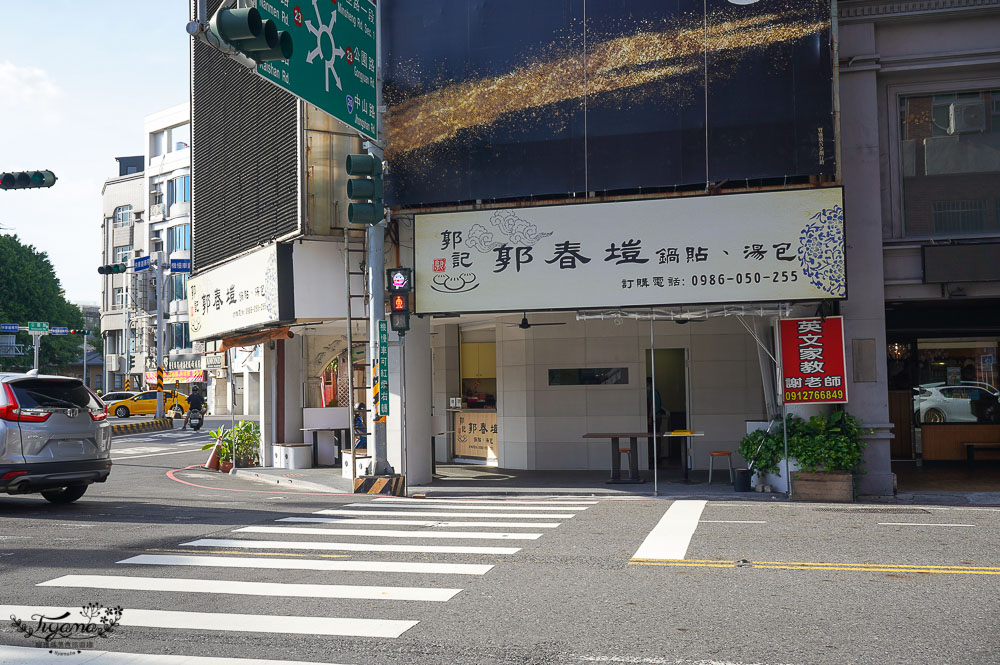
<point x="54" y="437"/>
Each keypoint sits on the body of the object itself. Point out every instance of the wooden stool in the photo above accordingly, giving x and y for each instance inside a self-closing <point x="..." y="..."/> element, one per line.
<point x="711" y="459"/>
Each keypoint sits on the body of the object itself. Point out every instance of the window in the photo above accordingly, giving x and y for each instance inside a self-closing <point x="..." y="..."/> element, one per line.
<point x="179" y="238"/>
<point x="180" y="137"/>
<point x="589" y="376"/>
<point x="157" y="144"/>
<point x="956" y="381"/>
<point x="179" y="190"/>
<point x="123" y="253"/>
<point x="118" y="298"/>
<point x="123" y="216"/>
<point x="178" y="286"/>
<point x="179" y="337"/>
<point x="950" y="163"/>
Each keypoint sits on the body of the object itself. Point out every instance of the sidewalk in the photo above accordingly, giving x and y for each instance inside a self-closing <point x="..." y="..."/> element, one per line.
<point x="457" y="480"/>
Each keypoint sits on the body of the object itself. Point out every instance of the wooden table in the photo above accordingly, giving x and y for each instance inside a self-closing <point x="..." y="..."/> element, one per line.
<point x="633" y="451"/>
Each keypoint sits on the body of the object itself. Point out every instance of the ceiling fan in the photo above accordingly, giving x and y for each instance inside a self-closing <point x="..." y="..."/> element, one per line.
<point x="524" y="325"/>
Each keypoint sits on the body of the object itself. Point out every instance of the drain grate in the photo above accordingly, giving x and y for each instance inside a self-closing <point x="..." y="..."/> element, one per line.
<point x="898" y="511"/>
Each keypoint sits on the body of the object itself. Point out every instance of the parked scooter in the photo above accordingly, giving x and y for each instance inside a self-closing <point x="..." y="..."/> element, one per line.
<point x="196" y="419"/>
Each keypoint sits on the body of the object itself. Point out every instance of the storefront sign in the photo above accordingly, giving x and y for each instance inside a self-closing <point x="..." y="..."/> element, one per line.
<point x="476" y="434"/>
<point x="245" y="293"/>
<point x="758" y="247"/>
<point x="813" y="369"/>
<point x="177" y="376"/>
<point x="213" y="361"/>
<point x="183" y="361"/>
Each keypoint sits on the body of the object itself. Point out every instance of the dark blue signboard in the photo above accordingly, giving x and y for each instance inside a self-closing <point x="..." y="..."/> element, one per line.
<point x="141" y="263"/>
<point x="9" y="327"/>
<point x="504" y="99"/>
<point x="180" y="265"/>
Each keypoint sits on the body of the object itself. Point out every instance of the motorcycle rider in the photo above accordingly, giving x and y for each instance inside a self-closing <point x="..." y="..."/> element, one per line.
<point x="195" y="401"/>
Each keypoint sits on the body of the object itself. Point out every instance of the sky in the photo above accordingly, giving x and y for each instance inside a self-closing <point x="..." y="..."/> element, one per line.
<point x="76" y="80"/>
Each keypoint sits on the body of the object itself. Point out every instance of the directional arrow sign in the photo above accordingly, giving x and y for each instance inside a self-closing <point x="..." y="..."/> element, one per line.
<point x="38" y="326"/>
<point x="333" y="61"/>
<point x="59" y="331"/>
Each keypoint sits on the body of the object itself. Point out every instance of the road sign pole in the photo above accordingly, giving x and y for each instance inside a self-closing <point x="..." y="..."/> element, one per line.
<point x="159" y="333"/>
<point x="36" y="337"/>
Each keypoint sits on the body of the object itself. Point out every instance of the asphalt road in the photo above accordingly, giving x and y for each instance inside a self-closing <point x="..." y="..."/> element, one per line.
<point x="576" y="580"/>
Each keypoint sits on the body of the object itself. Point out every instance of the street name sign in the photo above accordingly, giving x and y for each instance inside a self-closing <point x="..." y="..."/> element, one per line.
<point x="333" y="61"/>
<point x="59" y="331"/>
<point x="180" y="265"/>
<point x="383" y="368"/>
<point x="9" y="327"/>
<point x="38" y="326"/>
<point x="141" y="263"/>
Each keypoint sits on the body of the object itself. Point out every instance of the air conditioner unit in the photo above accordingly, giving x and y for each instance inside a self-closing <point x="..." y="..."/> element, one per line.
<point x="966" y="117"/>
<point x="111" y="363"/>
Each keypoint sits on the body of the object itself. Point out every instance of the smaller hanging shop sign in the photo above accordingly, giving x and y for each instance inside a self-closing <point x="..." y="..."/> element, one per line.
<point x="813" y="367"/>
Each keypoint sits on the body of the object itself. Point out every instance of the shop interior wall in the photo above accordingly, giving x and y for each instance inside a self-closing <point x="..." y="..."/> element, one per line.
<point x="541" y="426"/>
<point x="446" y="382"/>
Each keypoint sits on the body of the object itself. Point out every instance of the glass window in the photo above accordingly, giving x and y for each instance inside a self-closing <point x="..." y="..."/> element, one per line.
<point x="179" y="338"/>
<point x="178" y="286"/>
<point x="589" y="376"/>
<point x="957" y="381"/>
<point x="950" y="162"/>
<point x="180" y="137"/>
<point x="157" y="144"/>
<point x="118" y="296"/>
<point x="123" y="216"/>
<point x="179" y="190"/>
<point x="123" y="253"/>
<point x="179" y="238"/>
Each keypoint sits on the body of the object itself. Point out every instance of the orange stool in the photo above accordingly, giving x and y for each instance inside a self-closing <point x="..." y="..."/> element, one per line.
<point x="711" y="460"/>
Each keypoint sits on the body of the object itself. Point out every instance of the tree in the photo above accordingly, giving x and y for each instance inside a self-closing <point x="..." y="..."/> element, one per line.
<point x="31" y="292"/>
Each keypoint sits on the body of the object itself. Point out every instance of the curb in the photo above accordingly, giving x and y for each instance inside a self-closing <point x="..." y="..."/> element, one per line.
<point x="155" y="425"/>
<point x="292" y="483"/>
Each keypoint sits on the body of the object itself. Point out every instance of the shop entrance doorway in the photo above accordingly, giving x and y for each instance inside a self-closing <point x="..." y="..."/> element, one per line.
<point x="666" y="401"/>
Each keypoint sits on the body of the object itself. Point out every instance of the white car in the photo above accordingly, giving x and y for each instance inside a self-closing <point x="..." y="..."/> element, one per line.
<point x="966" y="402"/>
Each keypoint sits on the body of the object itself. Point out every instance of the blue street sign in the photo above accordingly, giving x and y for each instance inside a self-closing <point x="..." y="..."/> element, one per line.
<point x="180" y="265"/>
<point x="59" y="331"/>
<point x="141" y="263"/>
<point x="8" y="327"/>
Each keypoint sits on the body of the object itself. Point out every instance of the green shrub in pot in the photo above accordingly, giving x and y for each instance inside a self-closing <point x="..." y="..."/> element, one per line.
<point x="824" y="442"/>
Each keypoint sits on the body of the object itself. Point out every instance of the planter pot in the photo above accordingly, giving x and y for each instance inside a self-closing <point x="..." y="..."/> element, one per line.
<point x="225" y="466"/>
<point x="828" y="486"/>
<point x="777" y="483"/>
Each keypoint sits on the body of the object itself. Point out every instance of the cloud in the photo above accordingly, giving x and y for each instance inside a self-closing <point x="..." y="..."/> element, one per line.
<point x="27" y="90"/>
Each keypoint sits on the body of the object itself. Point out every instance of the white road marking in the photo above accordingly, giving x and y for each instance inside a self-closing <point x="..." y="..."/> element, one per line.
<point x="354" y="520"/>
<point x="141" y="449"/>
<point x="389" y="533"/>
<point x="919" y="524"/>
<point x="347" y="547"/>
<point x="670" y="538"/>
<point x="491" y="502"/>
<point x="36" y="656"/>
<point x="353" y="566"/>
<point x="246" y="623"/>
<point x="240" y="588"/>
<point x="172" y="452"/>
<point x="732" y="522"/>
<point x="416" y="513"/>
<point x="373" y="507"/>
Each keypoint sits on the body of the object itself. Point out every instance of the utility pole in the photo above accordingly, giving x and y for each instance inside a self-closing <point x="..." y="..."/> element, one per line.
<point x="159" y="331"/>
<point x="376" y="309"/>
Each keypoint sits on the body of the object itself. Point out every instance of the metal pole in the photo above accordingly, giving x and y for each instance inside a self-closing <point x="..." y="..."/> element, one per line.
<point x="85" y="358"/>
<point x="376" y="313"/>
<point x="37" y="338"/>
<point x="402" y="402"/>
<point x="230" y="358"/>
<point x="652" y="362"/>
<point x="159" y="328"/>
<point x="784" y="413"/>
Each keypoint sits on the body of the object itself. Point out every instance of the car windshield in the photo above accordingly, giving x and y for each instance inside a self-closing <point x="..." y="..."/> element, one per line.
<point x="53" y="393"/>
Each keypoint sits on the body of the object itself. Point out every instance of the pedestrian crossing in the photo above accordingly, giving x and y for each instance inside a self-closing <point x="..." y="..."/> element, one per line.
<point x="313" y="556"/>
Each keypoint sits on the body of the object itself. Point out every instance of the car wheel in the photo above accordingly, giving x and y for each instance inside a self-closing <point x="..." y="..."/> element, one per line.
<point x="65" y="494"/>
<point x="122" y="412"/>
<point x="934" y="416"/>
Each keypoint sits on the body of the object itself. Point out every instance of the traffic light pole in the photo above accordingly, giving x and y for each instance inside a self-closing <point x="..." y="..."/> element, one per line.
<point x="376" y="290"/>
<point x="159" y="330"/>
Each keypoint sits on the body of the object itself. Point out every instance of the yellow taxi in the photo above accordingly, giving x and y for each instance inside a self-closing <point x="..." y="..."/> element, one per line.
<point x="145" y="404"/>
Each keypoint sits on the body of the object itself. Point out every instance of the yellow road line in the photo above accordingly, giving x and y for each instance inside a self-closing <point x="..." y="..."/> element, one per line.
<point x="804" y="565"/>
<point x="290" y="554"/>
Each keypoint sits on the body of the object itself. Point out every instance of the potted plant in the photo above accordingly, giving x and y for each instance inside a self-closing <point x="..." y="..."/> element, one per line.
<point x="244" y="438"/>
<point x="828" y="449"/>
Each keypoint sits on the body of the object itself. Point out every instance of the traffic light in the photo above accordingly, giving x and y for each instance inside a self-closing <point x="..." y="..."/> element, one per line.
<point x="112" y="269"/>
<point x="258" y="39"/>
<point x="27" y="179"/>
<point x="79" y="332"/>
<point x="397" y="280"/>
<point x="367" y="187"/>
<point x="399" y="312"/>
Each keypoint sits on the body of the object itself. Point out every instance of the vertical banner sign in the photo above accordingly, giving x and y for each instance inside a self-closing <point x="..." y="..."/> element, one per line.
<point x="383" y="368"/>
<point x="813" y="369"/>
<point x="159" y="379"/>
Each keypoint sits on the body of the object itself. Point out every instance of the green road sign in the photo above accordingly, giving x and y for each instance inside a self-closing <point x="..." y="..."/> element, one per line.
<point x="333" y="57"/>
<point x="38" y="326"/>
<point x="383" y="368"/>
